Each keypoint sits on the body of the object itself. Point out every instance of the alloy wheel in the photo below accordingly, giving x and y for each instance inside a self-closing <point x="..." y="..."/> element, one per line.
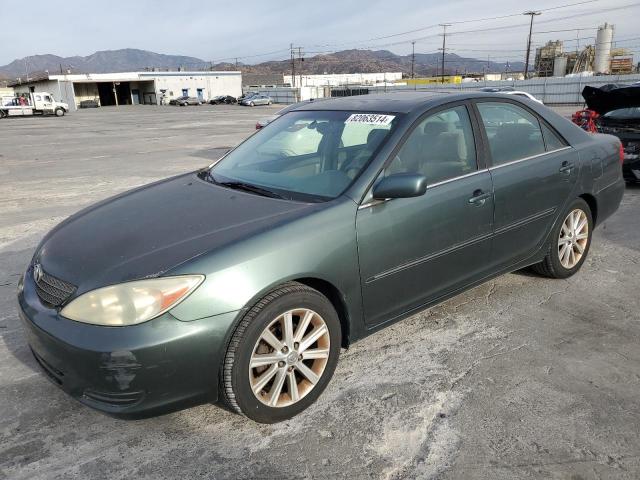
<point x="574" y="235"/>
<point x="289" y="358"/>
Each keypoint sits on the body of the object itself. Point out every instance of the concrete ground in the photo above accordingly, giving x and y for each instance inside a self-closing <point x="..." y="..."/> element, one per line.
<point x="522" y="377"/>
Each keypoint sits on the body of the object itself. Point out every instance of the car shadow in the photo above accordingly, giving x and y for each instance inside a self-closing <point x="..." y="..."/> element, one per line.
<point x="12" y="265"/>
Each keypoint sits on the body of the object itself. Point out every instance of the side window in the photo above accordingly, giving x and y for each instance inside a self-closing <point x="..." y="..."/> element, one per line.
<point x="441" y="147"/>
<point x="551" y="139"/>
<point x="513" y="132"/>
<point x="47" y="98"/>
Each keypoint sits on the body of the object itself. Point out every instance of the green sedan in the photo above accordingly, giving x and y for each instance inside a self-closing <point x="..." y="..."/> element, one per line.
<point x="240" y="283"/>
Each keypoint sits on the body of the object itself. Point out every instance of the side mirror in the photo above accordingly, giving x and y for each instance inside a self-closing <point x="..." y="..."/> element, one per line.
<point x="400" y="185"/>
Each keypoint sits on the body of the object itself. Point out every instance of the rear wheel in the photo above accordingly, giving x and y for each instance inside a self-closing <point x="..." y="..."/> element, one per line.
<point x="569" y="243"/>
<point x="282" y="354"/>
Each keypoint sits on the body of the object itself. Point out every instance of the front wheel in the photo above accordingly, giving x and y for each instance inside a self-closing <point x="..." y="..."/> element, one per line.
<point x="59" y="112"/>
<point x="251" y="104"/>
<point x="569" y="243"/>
<point x="282" y="354"/>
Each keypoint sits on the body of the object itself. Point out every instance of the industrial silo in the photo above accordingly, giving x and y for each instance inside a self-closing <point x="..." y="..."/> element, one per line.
<point x="560" y="66"/>
<point x="601" y="63"/>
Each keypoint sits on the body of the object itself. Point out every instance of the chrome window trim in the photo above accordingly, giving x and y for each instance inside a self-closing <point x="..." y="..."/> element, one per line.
<point x="513" y="162"/>
<point x="442" y="182"/>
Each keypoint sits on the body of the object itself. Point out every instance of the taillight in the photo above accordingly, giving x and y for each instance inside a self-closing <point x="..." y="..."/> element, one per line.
<point x="258" y="126"/>
<point x="621" y="153"/>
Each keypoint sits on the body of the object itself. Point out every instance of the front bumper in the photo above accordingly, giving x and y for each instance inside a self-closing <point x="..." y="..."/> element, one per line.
<point x="131" y="372"/>
<point x="631" y="168"/>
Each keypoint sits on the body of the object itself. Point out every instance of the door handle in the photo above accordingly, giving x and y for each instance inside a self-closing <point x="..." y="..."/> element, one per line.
<point x="566" y="168"/>
<point x="479" y="198"/>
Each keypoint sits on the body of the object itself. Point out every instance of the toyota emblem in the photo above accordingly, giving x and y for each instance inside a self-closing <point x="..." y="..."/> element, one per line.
<point x="37" y="272"/>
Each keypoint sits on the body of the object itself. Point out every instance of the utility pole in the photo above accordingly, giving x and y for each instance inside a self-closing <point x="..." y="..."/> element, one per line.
<point x="300" y="59"/>
<point x="293" y="67"/>
<point x="444" y="45"/>
<point x="236" y="63"/>
<point x="532" y="14"/>
<point x="413" y="58"/>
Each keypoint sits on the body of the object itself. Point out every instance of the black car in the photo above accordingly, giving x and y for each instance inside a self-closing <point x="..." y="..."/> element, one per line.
<point x="619" y="114"/>
<point x="223" y="99"/>
<point x="89" y="104"/>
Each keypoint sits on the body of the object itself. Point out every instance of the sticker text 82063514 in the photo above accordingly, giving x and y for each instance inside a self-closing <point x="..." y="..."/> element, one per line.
<point x="370" y="118"/>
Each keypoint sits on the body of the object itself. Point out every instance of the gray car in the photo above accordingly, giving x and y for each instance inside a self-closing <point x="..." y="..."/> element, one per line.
<point x="242" y="281"/>
<point x="256" y="100"/>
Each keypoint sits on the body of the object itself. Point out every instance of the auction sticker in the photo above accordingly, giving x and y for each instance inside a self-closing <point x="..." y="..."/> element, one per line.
<point x="370" y="118"/>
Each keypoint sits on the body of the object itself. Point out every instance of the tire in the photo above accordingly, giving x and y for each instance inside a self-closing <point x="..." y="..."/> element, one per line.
<point x="556" y="266"/>
<point x="59" y="112"/>
<point x="251" y="104"/>
<point x="238" y="380"/>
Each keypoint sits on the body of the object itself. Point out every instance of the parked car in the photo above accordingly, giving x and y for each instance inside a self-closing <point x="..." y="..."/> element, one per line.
<point x="616" y="111"/>
<point x="223" y="99"/>
<point x="263" y="122"/>
<point x="185" y="101"/>
<point x="241" y="282"/>
<point x="89" y="104"/>
<point x="257" y="100"/>
<point x="246" y="95"/>
<point x="511" y="91"/>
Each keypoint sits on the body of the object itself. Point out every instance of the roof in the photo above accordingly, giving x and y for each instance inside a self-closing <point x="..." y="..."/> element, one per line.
<point x="398" y="102"/>
<point x="118" y="76"/>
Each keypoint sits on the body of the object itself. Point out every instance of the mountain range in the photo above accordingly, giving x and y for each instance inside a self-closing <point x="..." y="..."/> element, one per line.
<point x="346" y="61"/>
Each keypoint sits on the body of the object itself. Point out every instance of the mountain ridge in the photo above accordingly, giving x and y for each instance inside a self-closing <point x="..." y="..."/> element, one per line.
<point x="345" y="61"/>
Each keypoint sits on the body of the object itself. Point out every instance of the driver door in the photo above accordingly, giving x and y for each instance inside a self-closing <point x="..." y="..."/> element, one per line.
<point x="47" y="103"/>
<point x="413" y="251"/>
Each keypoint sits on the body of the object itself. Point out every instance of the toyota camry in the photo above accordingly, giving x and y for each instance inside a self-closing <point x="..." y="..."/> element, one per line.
<point x="241" y="282"/>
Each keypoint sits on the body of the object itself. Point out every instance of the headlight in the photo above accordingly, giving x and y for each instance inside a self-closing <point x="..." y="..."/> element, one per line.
<point x="131" y="303"/>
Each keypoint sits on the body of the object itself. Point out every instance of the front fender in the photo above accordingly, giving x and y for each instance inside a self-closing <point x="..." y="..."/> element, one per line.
<point x="321" y="245"/>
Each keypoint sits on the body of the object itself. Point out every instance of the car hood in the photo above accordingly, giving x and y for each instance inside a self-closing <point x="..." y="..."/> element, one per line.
<point x="603" y="100"/>
<point x="150" y="230"/>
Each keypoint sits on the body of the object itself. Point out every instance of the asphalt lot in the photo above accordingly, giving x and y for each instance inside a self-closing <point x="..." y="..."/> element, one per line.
<point x="523" y="377"/>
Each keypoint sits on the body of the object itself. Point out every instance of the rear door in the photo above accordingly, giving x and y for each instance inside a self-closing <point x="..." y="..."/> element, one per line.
<point x="533" y="171"/>
<point x="415" y="250"/>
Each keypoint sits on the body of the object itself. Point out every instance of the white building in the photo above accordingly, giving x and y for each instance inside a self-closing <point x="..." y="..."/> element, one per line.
<point x="337" y="79"/>
<point x="133" y="88"/>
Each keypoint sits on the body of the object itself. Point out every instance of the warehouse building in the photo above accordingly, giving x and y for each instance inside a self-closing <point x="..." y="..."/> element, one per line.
<point x="133" y="88"/>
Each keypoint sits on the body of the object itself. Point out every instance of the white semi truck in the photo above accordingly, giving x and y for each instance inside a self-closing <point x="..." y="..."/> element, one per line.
<point x="33" y="103"/>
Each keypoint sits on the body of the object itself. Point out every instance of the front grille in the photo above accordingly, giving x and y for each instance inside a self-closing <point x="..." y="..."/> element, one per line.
<point x="52" y="291"/>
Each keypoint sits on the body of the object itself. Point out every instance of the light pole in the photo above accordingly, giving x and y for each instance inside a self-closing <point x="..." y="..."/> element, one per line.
<point x="532" y="14"/>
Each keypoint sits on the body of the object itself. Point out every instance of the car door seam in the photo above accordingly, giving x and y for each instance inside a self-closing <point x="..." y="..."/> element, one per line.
<point x="429" y="257"/>
<point x="524" y="221"/>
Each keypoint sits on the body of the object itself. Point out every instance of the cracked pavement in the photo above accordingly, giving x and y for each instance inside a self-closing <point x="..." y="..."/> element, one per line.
<point x="522" y="377"/>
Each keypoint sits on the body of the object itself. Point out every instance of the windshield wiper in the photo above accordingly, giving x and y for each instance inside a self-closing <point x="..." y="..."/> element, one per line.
<point x="248" y="187"/>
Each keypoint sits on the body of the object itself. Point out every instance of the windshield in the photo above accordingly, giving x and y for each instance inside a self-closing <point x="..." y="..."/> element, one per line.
<point x="313" y="155"/>
<point x="624" y="113"/>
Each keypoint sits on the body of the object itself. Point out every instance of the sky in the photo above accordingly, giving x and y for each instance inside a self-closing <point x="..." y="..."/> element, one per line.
<point x="256" y="31"/>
